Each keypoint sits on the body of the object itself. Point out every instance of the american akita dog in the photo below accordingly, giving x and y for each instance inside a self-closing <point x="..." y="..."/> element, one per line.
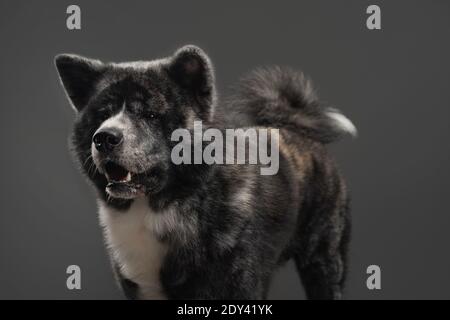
<point x="208" y="231"/>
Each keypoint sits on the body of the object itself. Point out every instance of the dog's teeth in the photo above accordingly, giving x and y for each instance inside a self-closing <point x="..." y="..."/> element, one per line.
<point x="128" y="178"/>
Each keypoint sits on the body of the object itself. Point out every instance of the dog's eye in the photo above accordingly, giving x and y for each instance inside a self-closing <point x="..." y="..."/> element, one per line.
<point x="150" y="115"/>
<point x="105" y="111"/>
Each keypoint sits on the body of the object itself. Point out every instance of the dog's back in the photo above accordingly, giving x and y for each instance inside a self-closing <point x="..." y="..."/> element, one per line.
<point x="285" y="99"/>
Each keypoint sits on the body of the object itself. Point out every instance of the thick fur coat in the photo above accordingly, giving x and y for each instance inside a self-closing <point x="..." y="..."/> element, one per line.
<point x="208" y="231"/>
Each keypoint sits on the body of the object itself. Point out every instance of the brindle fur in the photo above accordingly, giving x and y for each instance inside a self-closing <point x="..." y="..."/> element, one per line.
<point x="234" y="227"/>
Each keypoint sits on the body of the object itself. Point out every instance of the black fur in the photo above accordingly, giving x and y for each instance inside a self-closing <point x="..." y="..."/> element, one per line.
<point x="223" y="247"/>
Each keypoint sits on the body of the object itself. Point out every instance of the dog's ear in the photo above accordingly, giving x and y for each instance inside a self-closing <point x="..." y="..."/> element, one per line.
<point x="78" y="76"/>
<point x="191" y="68"/>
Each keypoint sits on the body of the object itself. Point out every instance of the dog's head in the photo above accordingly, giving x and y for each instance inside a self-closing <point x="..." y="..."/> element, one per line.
<point x="126" y="113"/>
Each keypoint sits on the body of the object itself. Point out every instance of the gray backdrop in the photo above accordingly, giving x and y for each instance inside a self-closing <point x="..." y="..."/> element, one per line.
<point x="393" y="83"/>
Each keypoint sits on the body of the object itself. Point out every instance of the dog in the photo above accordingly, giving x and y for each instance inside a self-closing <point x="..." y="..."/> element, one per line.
<point x="208" y="231"/>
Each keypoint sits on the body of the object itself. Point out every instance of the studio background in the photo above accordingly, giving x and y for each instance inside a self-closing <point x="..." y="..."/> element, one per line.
<point x="392" y="83"/>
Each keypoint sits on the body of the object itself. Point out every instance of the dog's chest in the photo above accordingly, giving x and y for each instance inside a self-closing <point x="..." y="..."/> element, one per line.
<point x="136" y="250"/>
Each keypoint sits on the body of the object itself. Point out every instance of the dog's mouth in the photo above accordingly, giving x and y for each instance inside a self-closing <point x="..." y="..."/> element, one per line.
<point x="121" y="182"/>
<point x="116" y="173"/>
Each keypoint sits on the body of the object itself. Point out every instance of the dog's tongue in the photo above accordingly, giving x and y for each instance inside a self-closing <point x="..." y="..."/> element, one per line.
<point x="116" y="172"/>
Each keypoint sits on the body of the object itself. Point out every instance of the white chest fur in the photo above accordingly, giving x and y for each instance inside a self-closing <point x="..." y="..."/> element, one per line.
<point x="137" y="251"/>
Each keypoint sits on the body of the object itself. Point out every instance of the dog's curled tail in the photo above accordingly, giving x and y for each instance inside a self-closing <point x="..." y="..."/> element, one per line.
<point x="283" y="98"/>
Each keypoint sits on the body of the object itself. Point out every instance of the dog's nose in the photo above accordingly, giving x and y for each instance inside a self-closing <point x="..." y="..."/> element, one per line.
<point x="107" y="139"/>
